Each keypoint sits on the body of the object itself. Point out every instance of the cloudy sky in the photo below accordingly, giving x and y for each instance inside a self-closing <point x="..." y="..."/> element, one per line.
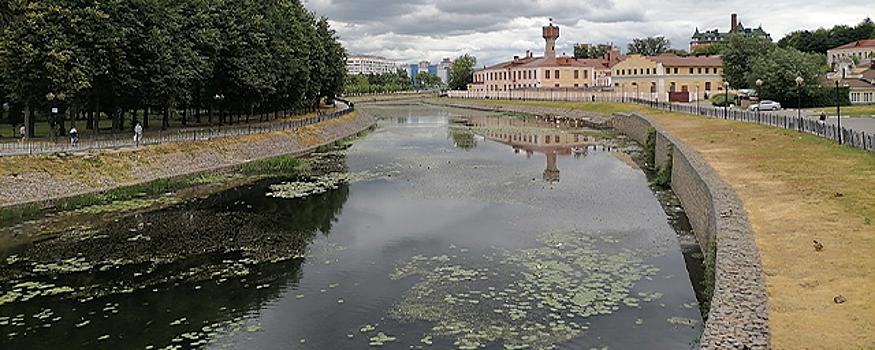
<point x="493" y="31"/>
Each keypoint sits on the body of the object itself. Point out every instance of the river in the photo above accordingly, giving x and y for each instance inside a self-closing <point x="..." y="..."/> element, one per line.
<point x="451" y="229"/>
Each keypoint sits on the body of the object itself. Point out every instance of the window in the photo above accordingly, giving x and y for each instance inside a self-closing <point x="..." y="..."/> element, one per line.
<point x="691" y="71"/>
<point x="700" y="70"/>
<point x="675" y="71"/>
<point x="557" y="85"/>
<point x="672" y="87"/>
<point x="635" y="72"/>
<point x="576" y="74"/>
<point x="576" y="85"/>
<point x="548" y="74"/>
<point x="707" y="86"/>
<point x="557" y="74"/>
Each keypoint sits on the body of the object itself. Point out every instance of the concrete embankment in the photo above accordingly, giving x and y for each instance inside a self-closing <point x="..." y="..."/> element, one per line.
<point x="33" y="179"/>
<point x="739" y="317"/>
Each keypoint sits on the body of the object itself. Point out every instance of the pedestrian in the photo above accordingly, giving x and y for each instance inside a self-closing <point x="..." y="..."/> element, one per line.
<point x="138" y="134"/>
<point x="23" y="132"/>
<point x="74" y="137"/>
<point x="822" y="118"/>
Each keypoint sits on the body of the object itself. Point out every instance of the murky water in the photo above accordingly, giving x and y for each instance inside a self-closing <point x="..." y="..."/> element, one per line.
<point x="456" y="230"/>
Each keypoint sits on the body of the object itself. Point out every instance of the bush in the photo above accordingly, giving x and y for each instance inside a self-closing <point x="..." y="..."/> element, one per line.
<point x="720" y="100"/>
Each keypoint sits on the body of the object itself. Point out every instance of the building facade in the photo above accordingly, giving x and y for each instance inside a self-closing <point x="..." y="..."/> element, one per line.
<point x="547" y="72"/>
<point x="668" y="77"/>
<point x="365" y="64"/>
<point x="861" y="51"/>
<point x="708" y="37"/>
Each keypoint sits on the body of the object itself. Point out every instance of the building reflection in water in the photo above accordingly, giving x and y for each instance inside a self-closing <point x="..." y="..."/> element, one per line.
<point x="552" y="138"/>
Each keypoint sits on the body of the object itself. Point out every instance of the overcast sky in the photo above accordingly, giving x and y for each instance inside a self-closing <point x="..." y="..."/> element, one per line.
<point x="409" y="31"/>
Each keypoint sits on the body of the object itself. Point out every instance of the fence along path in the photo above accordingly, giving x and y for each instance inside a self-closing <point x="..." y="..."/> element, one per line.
<point x="161" y="137"/>
<point x="844" y="135"/>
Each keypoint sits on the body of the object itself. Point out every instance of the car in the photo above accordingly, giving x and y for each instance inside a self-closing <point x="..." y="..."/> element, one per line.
<point x="765" y="105"/>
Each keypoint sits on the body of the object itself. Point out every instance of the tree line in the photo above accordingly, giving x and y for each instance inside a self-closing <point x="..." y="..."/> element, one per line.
<point x="224" y="57"/>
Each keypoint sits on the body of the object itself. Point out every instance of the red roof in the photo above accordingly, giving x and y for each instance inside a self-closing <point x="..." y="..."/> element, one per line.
<point x="543" y="62"/>
<point x="856" y="44"/>
<point x="856" y="83"/>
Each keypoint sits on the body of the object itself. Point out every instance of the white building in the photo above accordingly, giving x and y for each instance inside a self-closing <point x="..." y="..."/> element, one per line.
<point x="365" y="64"/>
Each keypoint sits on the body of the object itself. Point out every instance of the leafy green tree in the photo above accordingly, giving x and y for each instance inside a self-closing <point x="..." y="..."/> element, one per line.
<point x="650" y="46"/>
<point x="588" y="51"/>
<point x="462" y="72"/>
<point x="428" y="81"/>
<point x="778" y="70"/>
<point x="821" y="40"/>
<point x="709" y="50"/>
<point x="737" y="58"/>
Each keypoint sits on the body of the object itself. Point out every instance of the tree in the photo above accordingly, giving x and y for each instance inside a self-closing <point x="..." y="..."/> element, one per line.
<point x="709" y="50"/>
<point x="462" y="72"/>
<point x="650" y="46"/>
<point x="588" y="51"/>
<point x="740" y="52"/>
<point x="821" y="40"/>
<point x="428" y="81"/>
<point x="778" y="70"/>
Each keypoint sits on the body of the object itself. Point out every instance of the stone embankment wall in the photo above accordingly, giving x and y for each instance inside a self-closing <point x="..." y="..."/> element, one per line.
<point x="164" y="161"/>
<point x="739" y="317"/>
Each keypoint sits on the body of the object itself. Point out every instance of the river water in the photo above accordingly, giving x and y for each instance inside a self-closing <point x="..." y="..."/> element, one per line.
<point x="454" y="230"/>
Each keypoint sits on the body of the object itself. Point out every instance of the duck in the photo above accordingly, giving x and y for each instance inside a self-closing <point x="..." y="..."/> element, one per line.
<point x="726" y="214"/>
<point x="839" y="299"/>
<point x="818" y="246"/>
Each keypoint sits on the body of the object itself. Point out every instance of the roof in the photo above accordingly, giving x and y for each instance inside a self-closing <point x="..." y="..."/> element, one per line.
<point x="856" y="45"/>
<point x="857" y="83"/>
<point x="672" y="60"/>
<point x="557" y="62"/>
<point x="869" y="74"/>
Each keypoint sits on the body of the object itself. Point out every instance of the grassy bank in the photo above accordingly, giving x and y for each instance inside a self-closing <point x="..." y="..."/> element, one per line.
<point x="796" y="188"/>
<point x="847" y="110"/>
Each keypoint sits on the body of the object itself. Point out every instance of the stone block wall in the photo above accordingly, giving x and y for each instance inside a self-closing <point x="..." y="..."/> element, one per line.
<point x="739" y="316"/>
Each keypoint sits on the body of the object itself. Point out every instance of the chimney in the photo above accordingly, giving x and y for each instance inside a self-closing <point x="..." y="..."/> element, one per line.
<point x="734" y="23"/>
<point x="551" y="33"/>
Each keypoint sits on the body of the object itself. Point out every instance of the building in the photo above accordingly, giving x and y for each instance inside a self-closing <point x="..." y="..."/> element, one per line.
<point x="365" y="64"/>
<point x="547" y="72"/>
<point x="700" y="39"/>
<point x="668" y="77"/>
<point x="861" y="51"/>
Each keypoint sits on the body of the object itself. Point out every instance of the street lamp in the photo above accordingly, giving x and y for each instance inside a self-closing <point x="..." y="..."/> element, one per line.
<point x="636" y="91"/>
<point x="6" y="109"/>
<point x="697" y="98"/>
<point x="838" y="78"/>
<point x="219" y="98"/>
<point x="726" y="99"/>
<point x="759" y="83"/>
<point x="799" y="81"/>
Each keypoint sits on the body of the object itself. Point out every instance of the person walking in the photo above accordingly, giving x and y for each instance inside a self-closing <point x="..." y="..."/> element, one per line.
<point x="138" y="134"/>
<point x="23" y="132"/>
<point x="74" y="137"/>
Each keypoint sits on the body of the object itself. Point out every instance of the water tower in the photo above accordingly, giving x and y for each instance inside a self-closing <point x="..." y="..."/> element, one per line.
<point x="551" y="33"/>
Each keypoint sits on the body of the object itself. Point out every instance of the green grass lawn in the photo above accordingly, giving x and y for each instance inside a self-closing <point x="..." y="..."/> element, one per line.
<point x="847" y="110"/>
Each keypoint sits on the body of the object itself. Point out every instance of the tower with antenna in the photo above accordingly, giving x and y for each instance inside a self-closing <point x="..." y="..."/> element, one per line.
<point x="551" y="33"/>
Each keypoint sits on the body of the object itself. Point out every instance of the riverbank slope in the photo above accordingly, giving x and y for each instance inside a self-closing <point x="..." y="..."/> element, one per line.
<point x="27" y="179"/>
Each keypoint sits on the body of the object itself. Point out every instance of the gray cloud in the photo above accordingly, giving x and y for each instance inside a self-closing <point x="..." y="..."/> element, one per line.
<point x="414" y="30"/>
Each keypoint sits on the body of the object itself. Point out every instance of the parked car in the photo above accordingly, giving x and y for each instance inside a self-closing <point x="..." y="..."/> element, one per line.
<point x="765" y="105"/>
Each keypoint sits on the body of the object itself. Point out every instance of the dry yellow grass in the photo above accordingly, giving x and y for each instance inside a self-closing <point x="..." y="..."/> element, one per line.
<point x="797" y="188"/>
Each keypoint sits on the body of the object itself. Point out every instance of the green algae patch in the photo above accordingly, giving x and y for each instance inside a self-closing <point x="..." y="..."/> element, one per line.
<point x="534" y="298"/>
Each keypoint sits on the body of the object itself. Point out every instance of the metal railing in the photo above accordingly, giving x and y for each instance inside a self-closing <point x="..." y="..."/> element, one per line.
<point x="161" y="137"/>
<point x="854" y="138"/>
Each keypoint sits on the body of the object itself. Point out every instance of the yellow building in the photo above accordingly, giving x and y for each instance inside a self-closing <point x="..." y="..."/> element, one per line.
<point x="668" y="77"/>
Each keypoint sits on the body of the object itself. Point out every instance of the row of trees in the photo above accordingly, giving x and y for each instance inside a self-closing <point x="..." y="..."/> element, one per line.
<point x="242" y="56"/>
<point x="748" y="58"/>
<point x="821" y="40"/>
<point x="377" y="83"/>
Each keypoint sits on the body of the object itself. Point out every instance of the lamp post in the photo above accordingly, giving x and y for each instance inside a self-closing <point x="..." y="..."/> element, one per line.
<point x="623" y="89"/>
<point x="759" y="83"/>
<point x="697" y="98"/>
<point x="726" y="99"/>
<point x="54" y="116"/>
<point x="6" y="109"/>
<point x="799" y="81"/>
<point x="636" y="91"/>
<point x="837" y="79"/>
<point x="219" y="98"/>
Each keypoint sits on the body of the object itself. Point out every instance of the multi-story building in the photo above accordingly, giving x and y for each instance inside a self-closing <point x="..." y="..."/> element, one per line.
<point x="709" y="37"/>
<point x="365" y="64"/>
<point x="861" y="51"/>
<point x="668" y="77"/>
<point x="533" y="73"/>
